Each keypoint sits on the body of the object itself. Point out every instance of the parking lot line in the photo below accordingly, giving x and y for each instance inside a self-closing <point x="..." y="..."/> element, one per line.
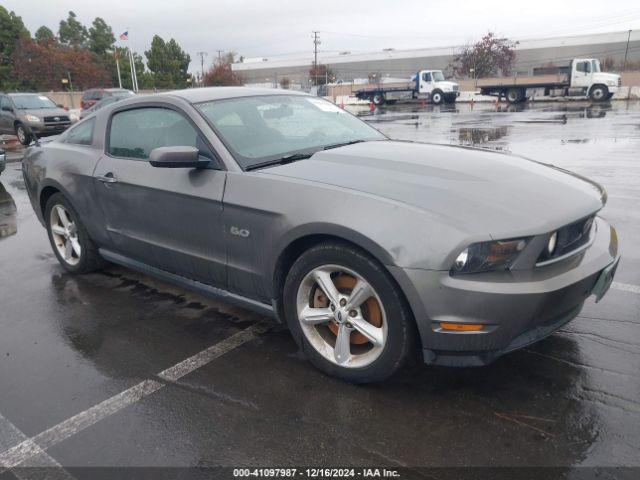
<point x="10" y="434"/>
<point x="626" y="287"/>
<point x="31" y="447"/>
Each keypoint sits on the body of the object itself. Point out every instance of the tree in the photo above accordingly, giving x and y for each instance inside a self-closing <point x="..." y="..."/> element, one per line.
<point x="321" y="74"/>
<point x="42" y="66"/>
<point x="11" y="31"/>
<point x="285" y="83"/>
<point x="490" y="56"/>
<point x="71" y="32"/>
<point x="168" y="63"/>
<point x="101" y="38"/>
<point x="221" y="74"/>
<point x="44" y="35"/>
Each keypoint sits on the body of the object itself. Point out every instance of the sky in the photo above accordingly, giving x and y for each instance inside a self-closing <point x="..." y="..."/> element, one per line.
<point x="284" y="27"/>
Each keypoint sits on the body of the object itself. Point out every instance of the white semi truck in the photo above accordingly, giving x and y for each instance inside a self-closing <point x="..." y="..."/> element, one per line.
<point x="581" y="78"/>
<point x="428" y="85"/>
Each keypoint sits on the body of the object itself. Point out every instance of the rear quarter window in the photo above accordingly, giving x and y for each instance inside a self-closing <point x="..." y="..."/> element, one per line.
<point x="82" y="133"/>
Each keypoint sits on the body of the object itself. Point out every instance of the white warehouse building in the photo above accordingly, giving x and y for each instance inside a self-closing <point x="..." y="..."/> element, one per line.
<point x="530" y="54"/>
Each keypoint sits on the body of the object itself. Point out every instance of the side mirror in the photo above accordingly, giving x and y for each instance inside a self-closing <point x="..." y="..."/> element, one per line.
<point x="177" y="157"/>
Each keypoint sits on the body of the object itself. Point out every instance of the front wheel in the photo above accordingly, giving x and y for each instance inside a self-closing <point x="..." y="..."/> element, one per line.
<point x="347" y="314"/>
<point x="599" y="93"/>
<point x="437" y="97"/>
<point x="69" y="239"/>
<point x="23" y="136"/>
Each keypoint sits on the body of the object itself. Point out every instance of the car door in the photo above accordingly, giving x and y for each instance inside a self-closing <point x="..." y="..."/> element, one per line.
<point x="581" y="76"/>
<point x="169" y="218"/>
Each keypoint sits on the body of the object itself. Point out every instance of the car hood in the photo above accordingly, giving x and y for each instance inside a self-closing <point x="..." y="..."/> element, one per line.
<point x="477" y="191"/>
<point x="45" y="112"/>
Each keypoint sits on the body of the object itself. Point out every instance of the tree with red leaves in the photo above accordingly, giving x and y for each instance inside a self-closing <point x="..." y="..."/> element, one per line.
<point x="221" y="73"/>
<point x="42" y="66"/>
<point x="488" y="57"/>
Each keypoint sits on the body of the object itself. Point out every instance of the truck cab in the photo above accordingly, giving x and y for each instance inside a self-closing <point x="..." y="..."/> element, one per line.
<point x="586" y="76"/>
<point x="430" y="84"/>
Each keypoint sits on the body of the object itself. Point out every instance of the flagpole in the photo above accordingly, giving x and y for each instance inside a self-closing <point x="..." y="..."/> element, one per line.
<point x="118" y="68"/>
<point x="131" y="70"/>
<point x="133" y="66"/>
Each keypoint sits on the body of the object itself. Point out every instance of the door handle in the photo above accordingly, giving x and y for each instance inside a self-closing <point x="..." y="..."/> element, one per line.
<point x="106" y="178"/>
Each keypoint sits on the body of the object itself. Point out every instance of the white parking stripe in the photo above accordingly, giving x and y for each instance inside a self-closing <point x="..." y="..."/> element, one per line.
<point x="10" y="434"/>
<point x="626" y="287"/>
<point x="29" y="448"/>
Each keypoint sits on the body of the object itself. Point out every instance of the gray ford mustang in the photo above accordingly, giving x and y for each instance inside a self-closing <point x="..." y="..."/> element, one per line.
<point x="370" y="249"/>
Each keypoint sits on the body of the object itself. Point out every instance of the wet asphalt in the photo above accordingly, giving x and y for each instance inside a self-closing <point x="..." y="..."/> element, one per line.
<point x="68" y="343"/>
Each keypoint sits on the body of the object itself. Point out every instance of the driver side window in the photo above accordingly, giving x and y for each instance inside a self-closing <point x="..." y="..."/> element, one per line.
<point x="5" y="104"/>
<point x="584" y="67"/>
<point x="426" y="77"/>
<point x="134" y="133"/>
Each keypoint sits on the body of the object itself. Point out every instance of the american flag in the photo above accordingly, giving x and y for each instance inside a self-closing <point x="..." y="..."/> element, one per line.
<point x="124" y="36"/>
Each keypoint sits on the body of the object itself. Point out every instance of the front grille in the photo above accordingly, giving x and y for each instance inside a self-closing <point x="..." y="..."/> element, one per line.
<point x="56" y="119"/>
<point x="570" y="238"/>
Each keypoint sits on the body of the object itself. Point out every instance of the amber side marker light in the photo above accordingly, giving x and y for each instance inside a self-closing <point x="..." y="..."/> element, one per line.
<point x="461" y="327"/>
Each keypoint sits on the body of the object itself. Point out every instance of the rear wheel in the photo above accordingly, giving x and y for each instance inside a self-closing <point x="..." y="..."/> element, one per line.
<point x="346" y="314"/>
<point x="377" y="99"/>
<point x="23" y="136"/>
<point x="69" y="239"/>
<point x="515" y="95"/>
<point x="599" y="93"/>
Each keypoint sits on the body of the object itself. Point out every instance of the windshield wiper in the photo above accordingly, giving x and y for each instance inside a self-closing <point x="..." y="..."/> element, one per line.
<point x="292" y="157"/>
<point x="343" y="144"/>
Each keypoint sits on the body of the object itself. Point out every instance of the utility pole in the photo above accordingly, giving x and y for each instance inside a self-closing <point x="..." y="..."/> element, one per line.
<point x="202" y="55"/>
<point x="219" y="55"/>
<point x="316" y="42"/>
<point x="624" y="64"/>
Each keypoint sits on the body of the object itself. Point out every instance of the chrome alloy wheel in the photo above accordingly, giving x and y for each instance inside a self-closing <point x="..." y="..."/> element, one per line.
<point x="65" y="235"/>
<point x="342" y="316"/>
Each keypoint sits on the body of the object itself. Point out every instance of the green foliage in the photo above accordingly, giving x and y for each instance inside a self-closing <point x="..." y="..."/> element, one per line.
<point x="101" y="38"/>
<point x="144" y="78"/>
<point x="72" y="32"/>
<point x="44" y="35"/>
<point x="168" y="63"/>
<point x="11" y="31"/>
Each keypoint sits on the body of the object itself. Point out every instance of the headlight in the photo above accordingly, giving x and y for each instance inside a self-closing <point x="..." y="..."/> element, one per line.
<point x="31" y="118"/>
<point x="488" y="256"/>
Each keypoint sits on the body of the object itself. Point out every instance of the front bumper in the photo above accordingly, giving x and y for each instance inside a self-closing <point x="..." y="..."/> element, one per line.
<point x="42" y="129"/>
<point x="514" y="308"/>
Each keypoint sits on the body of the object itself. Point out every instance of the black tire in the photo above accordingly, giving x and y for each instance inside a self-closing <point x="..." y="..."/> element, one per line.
<point x="515" y="95"/>
<point x="378" y="99"/>
<point x="401" y="330"/>
<point x="437" y="97"/>
<point x="89" y="259"/>
<point x="23" y="136"/>
<point x="599" y="93"/>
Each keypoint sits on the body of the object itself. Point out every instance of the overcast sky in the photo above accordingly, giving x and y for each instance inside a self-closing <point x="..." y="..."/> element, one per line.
<point x="283" y="27"/>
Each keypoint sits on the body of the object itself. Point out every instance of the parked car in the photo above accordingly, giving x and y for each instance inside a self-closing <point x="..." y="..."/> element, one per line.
<point x="366" y="247"/>
<point x="108" y="100"/>
<point x="3" y="160"/>
<point x="94" y="95"/>
<point x="23" y="113"/>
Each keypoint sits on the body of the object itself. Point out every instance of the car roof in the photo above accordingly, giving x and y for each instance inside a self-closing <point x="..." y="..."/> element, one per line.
<point x="25" y="94"/>
<point x="197" y="95"/>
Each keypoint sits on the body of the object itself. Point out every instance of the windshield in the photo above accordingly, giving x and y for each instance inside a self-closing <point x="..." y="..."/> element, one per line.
<point x="265" y="128"/>
<point x="596" y="65"/>
<point x="437" y="76"/>
<point x="24" y="102"/>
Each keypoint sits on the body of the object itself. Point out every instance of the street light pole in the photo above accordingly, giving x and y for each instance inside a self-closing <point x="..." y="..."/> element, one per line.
<point x="624" y="64"/>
